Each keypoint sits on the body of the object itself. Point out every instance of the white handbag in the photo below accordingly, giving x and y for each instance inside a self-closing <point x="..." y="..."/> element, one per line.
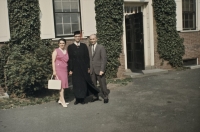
<point x="54" y="84"/>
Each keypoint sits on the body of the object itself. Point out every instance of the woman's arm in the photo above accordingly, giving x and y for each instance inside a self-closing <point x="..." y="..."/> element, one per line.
<point x="54" y="54"/>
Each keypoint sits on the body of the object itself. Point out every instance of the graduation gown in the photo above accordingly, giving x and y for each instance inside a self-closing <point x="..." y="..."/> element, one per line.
<point x="79" y="63"/>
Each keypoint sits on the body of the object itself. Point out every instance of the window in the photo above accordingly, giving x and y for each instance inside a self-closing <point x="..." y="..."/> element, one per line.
<point x="189" y="14"/>
<point x="67" y="17"/>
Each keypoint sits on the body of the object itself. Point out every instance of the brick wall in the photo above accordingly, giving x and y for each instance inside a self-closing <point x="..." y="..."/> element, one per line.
<point x="158" y="63"/>
<point x="70" y="41"/>
<point x="192" y="45"/>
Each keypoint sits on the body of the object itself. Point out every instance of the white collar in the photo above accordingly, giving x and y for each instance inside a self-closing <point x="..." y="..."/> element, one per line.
<point x="77" y="44"/>
<point x="94" y="45"/>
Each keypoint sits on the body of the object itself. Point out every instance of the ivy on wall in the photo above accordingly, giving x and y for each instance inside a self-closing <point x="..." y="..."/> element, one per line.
<point x="28" y="65"/>
<point x="4" y="53"/>
<point x="170" y="45"/>
<point x="109" y="24"/>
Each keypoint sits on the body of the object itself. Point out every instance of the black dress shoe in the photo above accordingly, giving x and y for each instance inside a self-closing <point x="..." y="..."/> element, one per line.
<point x="106" y="100"/>
<point x="94" y="99"/>
<point x="76" y="102"/>
<point x="83" y="102"/>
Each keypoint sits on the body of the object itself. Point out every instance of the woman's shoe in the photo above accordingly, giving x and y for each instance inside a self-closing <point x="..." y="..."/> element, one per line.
<point x="61" y="102"/>
<point x="64" y="105"/>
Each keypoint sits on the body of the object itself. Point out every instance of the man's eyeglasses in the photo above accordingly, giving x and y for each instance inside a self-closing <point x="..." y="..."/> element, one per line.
<point x="77" y="36"/>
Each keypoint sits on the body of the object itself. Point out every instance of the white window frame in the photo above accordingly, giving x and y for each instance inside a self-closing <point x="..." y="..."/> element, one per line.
<point x="179" y="16"/>
<point x="46" y="19"/>
<point x="195" y="17"/>
<point x="88" y="17"/>
<point x="80" y="22"/>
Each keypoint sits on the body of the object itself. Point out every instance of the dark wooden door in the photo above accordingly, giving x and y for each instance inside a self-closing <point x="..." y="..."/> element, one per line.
<point x="134" y="42"/>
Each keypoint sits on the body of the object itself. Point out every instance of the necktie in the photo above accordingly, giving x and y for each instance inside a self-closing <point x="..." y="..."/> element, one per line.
<point x="92" y="49"/>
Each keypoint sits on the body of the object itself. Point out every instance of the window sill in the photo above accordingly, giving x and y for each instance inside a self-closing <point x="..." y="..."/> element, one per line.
<point x="185" y="31"/>
<point x="68" y="38"/>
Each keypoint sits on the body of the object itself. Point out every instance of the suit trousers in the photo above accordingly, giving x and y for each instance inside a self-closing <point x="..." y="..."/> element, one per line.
<point x="102" y="83"/>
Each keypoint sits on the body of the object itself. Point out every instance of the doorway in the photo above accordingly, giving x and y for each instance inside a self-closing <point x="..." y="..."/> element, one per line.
<point x="135" y="41"/>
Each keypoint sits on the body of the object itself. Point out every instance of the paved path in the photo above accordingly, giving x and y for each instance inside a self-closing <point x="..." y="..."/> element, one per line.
<point x="163" y="103"/>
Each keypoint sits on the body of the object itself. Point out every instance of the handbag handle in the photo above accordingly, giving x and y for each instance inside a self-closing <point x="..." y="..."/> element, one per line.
<point x="56" y="76"/>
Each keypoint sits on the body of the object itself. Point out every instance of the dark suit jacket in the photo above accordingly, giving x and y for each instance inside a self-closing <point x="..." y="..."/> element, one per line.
<point x="98" y="60"/>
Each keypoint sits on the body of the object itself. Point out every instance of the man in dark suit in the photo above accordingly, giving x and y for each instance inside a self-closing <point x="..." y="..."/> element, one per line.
<point x="98" y="60"/>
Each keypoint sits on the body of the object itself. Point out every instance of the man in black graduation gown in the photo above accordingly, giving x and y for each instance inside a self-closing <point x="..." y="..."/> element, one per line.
<point x="79" y="68"/>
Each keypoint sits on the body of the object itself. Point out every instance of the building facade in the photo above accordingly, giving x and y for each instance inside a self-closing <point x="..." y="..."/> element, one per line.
<point x="59" y="19"/>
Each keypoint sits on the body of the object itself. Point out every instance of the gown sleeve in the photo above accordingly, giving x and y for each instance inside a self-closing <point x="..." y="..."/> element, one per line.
<point x="70" y="62"/>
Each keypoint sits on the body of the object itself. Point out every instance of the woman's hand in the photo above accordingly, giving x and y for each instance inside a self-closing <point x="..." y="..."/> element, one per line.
<point x="54" y="73"/>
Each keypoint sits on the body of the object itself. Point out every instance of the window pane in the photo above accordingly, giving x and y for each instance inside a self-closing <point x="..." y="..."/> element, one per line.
<point x="186" y="24"/>
<point x="191" y="24"/>
<point x="66" y="6"/>
<point x="58" y="7"/>
<point x="75" y="27"/>
<point x="58" y="17"/>
<point x="186" y="16"/>
<point x="183" y="23"/>
<point x="75" y="18"/>
<point x="66" y="18"/>
<point x="67" y="29"/>
<point x="186" y="4"/>
<point x="74" y="7"/>
<point x="59" y="29"/>
<point x="191" y="16"/>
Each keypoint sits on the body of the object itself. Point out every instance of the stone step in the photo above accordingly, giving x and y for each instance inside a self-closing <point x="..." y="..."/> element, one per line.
<point x="144" y="73"/>
<point x="194" y="66"/>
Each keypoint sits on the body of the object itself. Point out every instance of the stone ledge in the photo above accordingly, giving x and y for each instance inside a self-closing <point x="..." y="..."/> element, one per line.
<point x="194" y="67"/>
<point x="144" y="73"/>
<point x="154" y="71"/>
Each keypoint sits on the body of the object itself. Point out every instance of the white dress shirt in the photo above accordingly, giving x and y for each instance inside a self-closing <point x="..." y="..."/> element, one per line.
<point x="77" y="44"/>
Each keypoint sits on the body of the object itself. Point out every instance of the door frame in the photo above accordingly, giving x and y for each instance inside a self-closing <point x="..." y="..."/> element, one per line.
<point x="148" y="30"/>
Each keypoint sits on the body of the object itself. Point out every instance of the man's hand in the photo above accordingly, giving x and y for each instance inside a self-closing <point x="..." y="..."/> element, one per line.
<point x="70" y="73"/>
<point x="88" y="70"/>
<point x="101" y="73"/>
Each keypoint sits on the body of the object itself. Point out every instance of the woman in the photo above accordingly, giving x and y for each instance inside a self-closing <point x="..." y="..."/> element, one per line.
<point x="59" y="65"/>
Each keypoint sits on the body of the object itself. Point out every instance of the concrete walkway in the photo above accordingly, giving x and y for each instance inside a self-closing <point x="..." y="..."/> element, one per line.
<point x="163" y="103"/>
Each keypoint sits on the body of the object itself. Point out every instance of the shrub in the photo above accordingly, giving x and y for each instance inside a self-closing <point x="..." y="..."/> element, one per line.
<point x="170" y="45"/>
<point x="109" y="24"/>
<point x="28" y="65"/>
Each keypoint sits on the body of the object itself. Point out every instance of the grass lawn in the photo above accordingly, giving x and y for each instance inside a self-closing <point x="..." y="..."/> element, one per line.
<point x="49" y="95"/>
